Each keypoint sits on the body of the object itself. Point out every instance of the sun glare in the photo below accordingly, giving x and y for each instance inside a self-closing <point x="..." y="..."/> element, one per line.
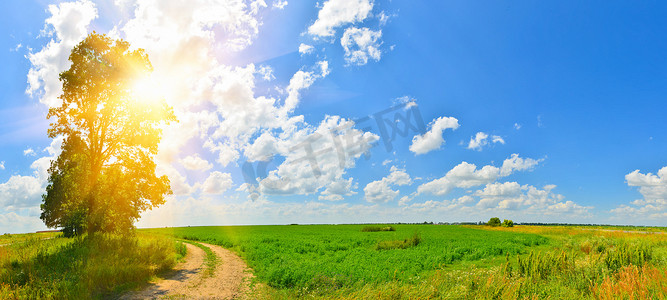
<point x="146" y="90"/>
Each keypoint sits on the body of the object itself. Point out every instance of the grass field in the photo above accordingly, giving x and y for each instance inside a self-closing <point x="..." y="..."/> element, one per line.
<point x="48" y="266"/>
<point x="348" y="261"/>
<point x="357" y="261"/>
<point x="324" y="256"/>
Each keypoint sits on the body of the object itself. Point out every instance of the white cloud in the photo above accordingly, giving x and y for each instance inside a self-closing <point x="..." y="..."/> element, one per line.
<point x="266" y="73"/>
<point x="517" y="126"/>
<point x="67" y="26"/>
<point x="29" y="152"/>
<point x="383" y="18"/>
<point x="21" y="191"/>
<point x="432" y="139"/>
<point x="11" y="222"/>
<point x="279" y="4"/>
<point x="263" y="148"/>
<point x="316" y="158"/>
<point x="516" y="163"/>
<point x="466" y="175"/>
<point x="510" y="196"/>
<point x="336" y="190"/>
<point x="217" y="183"/>
<point x="481" y="139"/>
<point x="17" y="48"/>
<point x="497" y="139"/>
<point x="380" y="191"/>
<point x="183" y="41"/>
<point x="25" y="192"/>
<point x="156" y="20"/>
<point x="195" y="162"/>
<point x="360" y="45"/>
<point x="336" y="13"/>
<point x="654" y="189"/>
<point x="2" y="165"/>
<point x="305" y="49"/>
<point x="408" y="101"/>
<point x="226" y="153"/>
<point x="302" y="80"/>
<point x="179" y="183"/>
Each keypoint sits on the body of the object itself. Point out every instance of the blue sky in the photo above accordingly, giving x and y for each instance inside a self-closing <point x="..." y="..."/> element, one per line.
<point x="548" y="112"/>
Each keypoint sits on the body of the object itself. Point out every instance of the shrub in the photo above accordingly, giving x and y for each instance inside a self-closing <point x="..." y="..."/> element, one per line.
<point x="493" y="222"/>
<point x="627" y="254"/>
<point x="400" y="244"/>
<point x="377" y="228"/>
<point x="542" y="265"/>
<point x="181" y="250"/>
<point x="508" y="223"/>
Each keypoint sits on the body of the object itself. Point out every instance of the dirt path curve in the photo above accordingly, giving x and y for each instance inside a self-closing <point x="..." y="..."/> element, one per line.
<point x="230" y="280"/>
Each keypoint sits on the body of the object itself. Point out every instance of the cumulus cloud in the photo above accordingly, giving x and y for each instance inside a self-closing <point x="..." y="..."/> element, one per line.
<point x="305" y="49"/>
<point x="29" y="152"/>
<point x="195" y="162"/>
<point x="653" y="188"/>
<point x="336" y="13"/>
<point x="360" y="45"/>
<point x="25" y="191"/>
<point x="217" y="183"/>
<point x="466" y="175"/>
<point x="380" y="191"/>
<point x="67" y="26"/>
<point x="516" y="163"/>
<point x="432" y="139"/>
<point x="21" y="191"/>
<point x="279" y="4"/>
<point x="317" y="158"/>
<point x="12" y="222"/>
<point x="510" y="196"/>
<point x="481" y="139"/>
<point x="302" y="80"/>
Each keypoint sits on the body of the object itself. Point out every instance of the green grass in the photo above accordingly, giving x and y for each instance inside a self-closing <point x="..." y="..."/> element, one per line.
<point x="444" y="262"/>
<point x="348" y="262"/>
<point x="211" y="260"/>
<point x="7" y="238"/>
<point x="82" y="267"/>
<point x="321" y="257"/>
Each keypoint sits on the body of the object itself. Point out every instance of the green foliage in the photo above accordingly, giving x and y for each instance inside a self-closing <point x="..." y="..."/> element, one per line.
<point x="316" y="258"/>
<point x="181" y="250"/>
<point x="508" y="223"/>
<point x="211" y="260"/>
<point x="377" y="228"/>
<point x="627" y="254"/>
<point x="541" y="265"/>
<point x="105" y="175"/>
<point x="81" y="268"/>
<point x="400" y="244"/>
<point x="493" y="222"/>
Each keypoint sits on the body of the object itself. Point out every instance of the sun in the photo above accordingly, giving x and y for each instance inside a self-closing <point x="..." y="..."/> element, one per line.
<point x="146" y="90"/>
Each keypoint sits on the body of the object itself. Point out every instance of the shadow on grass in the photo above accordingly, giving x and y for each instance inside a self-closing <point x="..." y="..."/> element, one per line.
<point x="82" y="267"/>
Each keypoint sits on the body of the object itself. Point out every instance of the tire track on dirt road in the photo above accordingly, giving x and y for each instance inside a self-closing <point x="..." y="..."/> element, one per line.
<point x="229" y="280"/>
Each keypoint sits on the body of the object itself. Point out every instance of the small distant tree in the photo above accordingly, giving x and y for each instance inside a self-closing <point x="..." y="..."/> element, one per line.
<point x="508" y="223"/>
<point x="494" y="222"/>
<point x="105" y="175"/>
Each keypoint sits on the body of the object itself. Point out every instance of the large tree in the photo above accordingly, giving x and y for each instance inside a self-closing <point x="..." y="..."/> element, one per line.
<point x="105" y="175"/>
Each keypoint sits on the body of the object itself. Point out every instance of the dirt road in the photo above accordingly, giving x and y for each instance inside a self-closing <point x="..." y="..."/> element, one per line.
<point x="229" y="280"/>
